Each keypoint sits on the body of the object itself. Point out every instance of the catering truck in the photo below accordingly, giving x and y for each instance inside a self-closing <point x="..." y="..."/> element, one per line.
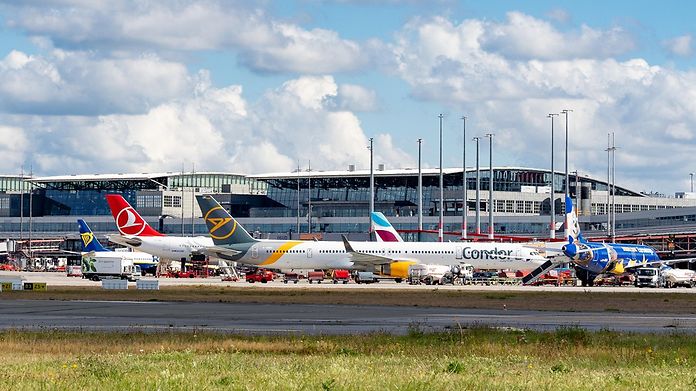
<point x="112" y="265"/>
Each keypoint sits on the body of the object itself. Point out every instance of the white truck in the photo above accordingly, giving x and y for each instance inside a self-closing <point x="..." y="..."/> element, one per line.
<point x="428" y="274"/>
<point x="678" y="277"/>
<point x="648" y="276"/>
<point x="98" y="266"/>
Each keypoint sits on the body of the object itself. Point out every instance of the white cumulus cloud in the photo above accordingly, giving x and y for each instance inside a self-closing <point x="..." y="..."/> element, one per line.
<point x="264" y="43"/>
<point x="508" y="76"/>
<point x="679" y="46"/>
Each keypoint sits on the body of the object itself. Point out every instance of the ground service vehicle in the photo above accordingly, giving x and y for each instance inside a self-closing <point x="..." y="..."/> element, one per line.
<point x="340" y="275"/>
<point x="428" y="274"/>
<point x="485" y="278"/>
<point x="260" y="275"/>
<point x="112" y="266"/>
<point x="365" y="278"/>
<point x="648" y="276"/>
<point x="291" y="277"/>
<point x="315" y="276"/>
<point x="678" y="277"/>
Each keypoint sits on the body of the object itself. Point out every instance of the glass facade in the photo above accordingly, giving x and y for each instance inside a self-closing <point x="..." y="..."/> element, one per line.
<point x="349" y="196"/>
<point x="339" y="202"/>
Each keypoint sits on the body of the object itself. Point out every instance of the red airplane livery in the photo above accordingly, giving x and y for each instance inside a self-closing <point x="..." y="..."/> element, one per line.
<point x="128" y="221"/>
<point x="136" y="233"/>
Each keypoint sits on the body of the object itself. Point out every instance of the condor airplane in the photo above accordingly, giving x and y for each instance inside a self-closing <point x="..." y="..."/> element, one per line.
<point x="136" y="233"/>
<point x="90" y="245"/>
<point x="233" y="242"/>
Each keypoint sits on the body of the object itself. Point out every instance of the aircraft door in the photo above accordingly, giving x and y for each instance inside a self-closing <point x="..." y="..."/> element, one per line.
<point x="458" y="252"/>
<point x="254" y="252"/>
<point x="309" y="252"/>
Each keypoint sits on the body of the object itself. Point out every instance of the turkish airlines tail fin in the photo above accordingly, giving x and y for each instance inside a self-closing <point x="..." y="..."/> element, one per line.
<point x="128" y="220"/>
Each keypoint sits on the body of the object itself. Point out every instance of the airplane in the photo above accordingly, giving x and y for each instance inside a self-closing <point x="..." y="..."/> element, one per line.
<point x="384" y="231"/>
<point x="592" y="258"/>
<point x="233" y="242"/>
<point x="92" y="246"/>
<point x="136" y="233"/>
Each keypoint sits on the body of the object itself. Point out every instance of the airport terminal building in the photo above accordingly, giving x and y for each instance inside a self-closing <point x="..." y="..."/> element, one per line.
<point x="278" y="205"/>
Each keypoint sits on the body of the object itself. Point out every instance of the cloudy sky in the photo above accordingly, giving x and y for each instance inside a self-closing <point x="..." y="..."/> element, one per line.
<point x="96" y="86"/>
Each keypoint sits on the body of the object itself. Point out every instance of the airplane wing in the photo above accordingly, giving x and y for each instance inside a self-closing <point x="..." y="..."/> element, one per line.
<point x="364" y="258"/>
<point x="632" y="264"/>
<point x="133" y="241"/>
<point x="219" y="252"/>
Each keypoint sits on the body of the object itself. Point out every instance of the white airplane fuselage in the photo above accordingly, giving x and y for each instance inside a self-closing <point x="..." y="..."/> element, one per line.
<point x="165" y="247"/>
<point x="283" y="254"/>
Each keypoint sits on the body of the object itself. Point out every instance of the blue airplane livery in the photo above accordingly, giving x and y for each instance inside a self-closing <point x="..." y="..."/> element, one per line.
<point x="90" y="243"/>
<point x="592" y="259"/>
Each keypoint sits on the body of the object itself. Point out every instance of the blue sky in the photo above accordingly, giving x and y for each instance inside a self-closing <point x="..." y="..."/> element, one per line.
<point x="100" y="86"/>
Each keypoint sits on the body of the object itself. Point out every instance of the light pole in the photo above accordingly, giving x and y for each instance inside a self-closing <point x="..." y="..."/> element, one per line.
<point x="553" y="193"/>
<point x="490" y="185"/>
<point x="298" y="200"/>
<point x="691" y="174"/>
<point x="613" y="188"/>
<point x="440" y="235"/>
<point x="567" y="183"/>
<point x="21" y="206"/>
<point x="578" y="189"/>
<point x="610" y="152"/>
<point x="478" y="188"/>
<point x="420" y="191"/>
<point x="465" y="207"/>
<point x="309" y="197"/>
<point x="372" y="186"/>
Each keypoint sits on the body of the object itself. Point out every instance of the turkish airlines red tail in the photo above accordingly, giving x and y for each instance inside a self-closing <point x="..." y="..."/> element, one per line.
<point x="127" y="219"/>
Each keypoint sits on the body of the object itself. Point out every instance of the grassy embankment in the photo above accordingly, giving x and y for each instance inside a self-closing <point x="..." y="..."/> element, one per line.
<point x="465" y="359"/>
<point x="559" y="300"/>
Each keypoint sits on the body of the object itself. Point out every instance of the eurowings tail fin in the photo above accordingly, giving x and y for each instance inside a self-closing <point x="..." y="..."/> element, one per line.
<point x="128" y="220"/>
<point x="223" y="228"/>
<point x="89" y="242"/>
<point x="384" y="231"/>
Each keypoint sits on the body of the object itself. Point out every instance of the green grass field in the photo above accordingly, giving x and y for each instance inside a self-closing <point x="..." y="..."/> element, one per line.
<point x="478" y="358"/>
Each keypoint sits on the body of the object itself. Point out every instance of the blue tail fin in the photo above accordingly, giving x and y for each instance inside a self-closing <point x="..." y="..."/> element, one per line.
<point x="89" y="242"/>
<point x="572" y="224"/>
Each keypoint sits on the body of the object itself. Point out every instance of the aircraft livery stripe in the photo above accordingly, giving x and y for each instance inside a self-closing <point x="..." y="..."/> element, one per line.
<point x="279" y="253"/>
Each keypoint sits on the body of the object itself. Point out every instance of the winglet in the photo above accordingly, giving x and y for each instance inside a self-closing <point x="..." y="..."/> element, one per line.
<point x="346" y="243"/>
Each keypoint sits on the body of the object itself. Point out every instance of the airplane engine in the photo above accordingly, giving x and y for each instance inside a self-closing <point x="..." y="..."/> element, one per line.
<point x="398" y="269"/>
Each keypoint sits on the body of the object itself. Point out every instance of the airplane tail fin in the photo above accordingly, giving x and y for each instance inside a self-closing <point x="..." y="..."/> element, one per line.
<point x="89" y="242"/>
<point x="384" y="231"/>
<point x="572" y="224"/>
<point x="222" y="227"/>
<point x="128" y="220"/>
